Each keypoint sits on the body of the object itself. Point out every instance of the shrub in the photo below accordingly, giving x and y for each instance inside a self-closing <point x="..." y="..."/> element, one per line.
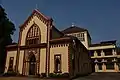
<point x="58" y="76"/>
<point x="10" y="73"/>
<point x="38" y="75"/>
<point x="43" y="75"/>
<point x="51" y="74"/>
<point x="66" y="75"/>
<point x="55" y="75"/>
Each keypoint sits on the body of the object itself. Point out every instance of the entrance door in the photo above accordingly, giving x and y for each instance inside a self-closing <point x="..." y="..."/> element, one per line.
<point x="32" y="65"/>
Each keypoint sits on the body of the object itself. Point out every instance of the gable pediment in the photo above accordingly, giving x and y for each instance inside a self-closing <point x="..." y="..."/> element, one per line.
<point x="42" y="23"/>
<point x="46" y="20"/>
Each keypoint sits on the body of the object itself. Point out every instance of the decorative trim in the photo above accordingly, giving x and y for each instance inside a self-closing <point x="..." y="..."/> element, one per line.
<point x="35" y="12"/>
<point x="43" y="45"/>
<point x="69" y="59"/>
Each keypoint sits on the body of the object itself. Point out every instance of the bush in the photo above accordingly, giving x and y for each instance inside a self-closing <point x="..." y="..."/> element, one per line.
<point x="38" y="75"/>
<point x="43" y="75"/>
<point x="20" y="75"/>
<point x="65" y="75"/>
<point x="51" y="74"/>
<point x="58" y="76"/>
<point x="10" y="73"/>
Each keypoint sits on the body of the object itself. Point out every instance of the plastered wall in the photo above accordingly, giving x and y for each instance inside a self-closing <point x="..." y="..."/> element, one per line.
<point x="63" y="50"/>
<point x="10" y="54"/>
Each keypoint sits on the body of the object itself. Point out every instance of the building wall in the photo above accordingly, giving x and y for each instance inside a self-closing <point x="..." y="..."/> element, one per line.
<point x="42" y="26"/>
<point x="82" y="60"/>
<point x="103" y="59"/>
<point x="102" y="47"/>
<point x="10" y="54"/>
<point x="85" y="42"/>
<point x="88" y="39"/>
<point x="42" y="60"/>
<point x="20" y="66"/>
<point x="59" y="49"/>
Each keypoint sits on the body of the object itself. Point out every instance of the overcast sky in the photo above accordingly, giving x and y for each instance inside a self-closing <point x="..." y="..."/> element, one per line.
<point x="100" y="17"/>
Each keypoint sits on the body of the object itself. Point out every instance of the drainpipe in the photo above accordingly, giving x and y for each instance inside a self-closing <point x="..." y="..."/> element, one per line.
<point x="18" y="52"/>
<point x="48" y="48"/>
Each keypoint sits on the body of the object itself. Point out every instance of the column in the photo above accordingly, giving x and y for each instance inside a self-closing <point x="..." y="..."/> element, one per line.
<point x="27" y="68"/>
<point x="102" y="53"/>
<point x="96" y="67"/>
<point x="113" y="52"/>
<point x="104" y="67"/>
<point x="116" y="67"/>
<point x="95" y="53"/>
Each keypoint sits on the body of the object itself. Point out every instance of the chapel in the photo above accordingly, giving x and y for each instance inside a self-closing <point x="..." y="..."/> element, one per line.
<point x="42" y="48"/>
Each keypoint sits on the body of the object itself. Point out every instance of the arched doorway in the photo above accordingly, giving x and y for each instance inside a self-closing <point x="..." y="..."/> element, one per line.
<point x="32" y="65"/>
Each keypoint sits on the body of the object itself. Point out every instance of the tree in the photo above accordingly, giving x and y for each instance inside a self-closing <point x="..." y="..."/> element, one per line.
<point x="7" y="29"/>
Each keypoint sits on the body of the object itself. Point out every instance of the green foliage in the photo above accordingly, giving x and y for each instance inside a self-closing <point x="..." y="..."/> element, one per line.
<point x="43" y="75"/>
<point x="7" y="29"/>
<point x="66" y="75"/>
<point x="59" y="75"/>
<point x="10" y="73"/>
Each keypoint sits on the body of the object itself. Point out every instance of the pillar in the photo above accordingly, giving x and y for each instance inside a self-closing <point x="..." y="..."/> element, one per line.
<point x="96" y="67"/>
<point x="113" y="52"/>
<point x="116" y="67"/>
<point x="27" y="68"/>
<point x="102" y="53"/>
<point x="95" y="53"/>
<point x="104" y="67"/>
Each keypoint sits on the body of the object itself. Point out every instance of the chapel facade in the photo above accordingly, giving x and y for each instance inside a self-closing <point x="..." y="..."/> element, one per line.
<point x="42" y="48"/>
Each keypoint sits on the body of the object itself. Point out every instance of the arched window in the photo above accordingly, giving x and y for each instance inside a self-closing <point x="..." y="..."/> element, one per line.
<point x="33" y="35"/>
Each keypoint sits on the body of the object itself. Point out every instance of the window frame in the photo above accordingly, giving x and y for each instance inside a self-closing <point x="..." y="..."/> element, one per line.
<point x="32" y="35"/>
<point x="55" y="57"/>
<point x="11" y="61"/>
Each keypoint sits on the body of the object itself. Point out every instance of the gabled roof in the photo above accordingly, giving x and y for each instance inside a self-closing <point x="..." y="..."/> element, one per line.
<point x="73" y="29"/>
<point x="40" y="15"/>
<point x="53" y="27"/>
